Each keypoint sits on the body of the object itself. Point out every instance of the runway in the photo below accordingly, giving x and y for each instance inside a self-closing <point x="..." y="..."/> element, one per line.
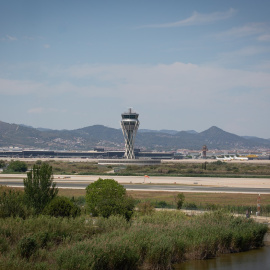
<point x="77" y="184"/>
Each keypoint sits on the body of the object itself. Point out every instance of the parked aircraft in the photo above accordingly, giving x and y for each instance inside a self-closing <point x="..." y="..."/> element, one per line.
<point x="224" y="158"/>
<point x="240" y="158"/>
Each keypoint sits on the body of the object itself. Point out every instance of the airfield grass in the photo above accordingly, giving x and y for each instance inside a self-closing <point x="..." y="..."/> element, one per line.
<point x="221" y="199"/>
<point x="207" y="169"/>
<point x="235" y="199"/>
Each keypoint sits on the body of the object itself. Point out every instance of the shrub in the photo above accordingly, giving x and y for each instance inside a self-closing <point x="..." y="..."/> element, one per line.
<point x="107" y="197"/>
<point x="145" y="208"/>
<point x="2" y="164"/>
<point x="12" y="204"/>
<point x="191" y="206"/>
<point x="17" y="166"/>
<point x="27" y="247"/>
<point x="180" y="198"/>
<point x="62" y="207"/>
<point x="161" y="204"/>
<point x="3" y="245"/>
<point x="218" y="162"/>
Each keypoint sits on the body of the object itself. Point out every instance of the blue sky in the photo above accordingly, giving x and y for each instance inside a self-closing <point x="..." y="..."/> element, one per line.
<point x="180" y="64"/>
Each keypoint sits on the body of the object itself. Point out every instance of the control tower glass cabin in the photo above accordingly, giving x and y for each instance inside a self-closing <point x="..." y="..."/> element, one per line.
<point x="130" y="125"/>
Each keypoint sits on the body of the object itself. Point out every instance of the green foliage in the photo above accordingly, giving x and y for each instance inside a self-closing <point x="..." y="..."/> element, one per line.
<point x="107" y="197"/>
<point x="16" y="166"/>
<point x="190" y="206"/>
<point x="2" y="164"/>
<point x="161" y="204"/>
<point x="154" y="241"/>
<point x="61" y="207"/>
<point x="180" y="198"/>
<point x="218" y="162"/>
<point x="27" y="247"/>
<point x="3" y="245"/>
<point x="145" y="208"/>
<point x="39" y="187"/>
<point x="39" y="162"/>
<point x="12" y="204"/>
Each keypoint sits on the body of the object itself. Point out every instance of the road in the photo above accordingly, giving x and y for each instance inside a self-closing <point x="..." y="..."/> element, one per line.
<point x="181" y="184"/>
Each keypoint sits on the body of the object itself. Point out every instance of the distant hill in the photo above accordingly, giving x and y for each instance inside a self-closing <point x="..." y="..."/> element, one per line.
<point x="100" y="136"/>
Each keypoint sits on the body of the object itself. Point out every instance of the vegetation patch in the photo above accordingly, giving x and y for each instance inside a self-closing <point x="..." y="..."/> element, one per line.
<point x="153" y="240"/>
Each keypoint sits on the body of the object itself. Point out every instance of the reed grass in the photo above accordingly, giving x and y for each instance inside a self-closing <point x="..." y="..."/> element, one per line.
<point x="154" y="241"/>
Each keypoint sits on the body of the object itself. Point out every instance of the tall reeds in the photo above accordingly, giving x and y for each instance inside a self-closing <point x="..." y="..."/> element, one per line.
<point x="155" y="241"/>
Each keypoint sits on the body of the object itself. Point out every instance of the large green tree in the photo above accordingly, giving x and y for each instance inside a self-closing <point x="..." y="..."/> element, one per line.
<point x="39" y="187"/>
<point x="105" y="197"/>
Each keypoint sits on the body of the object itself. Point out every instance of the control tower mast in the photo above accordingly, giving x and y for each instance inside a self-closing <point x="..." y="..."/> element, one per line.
<point x="130" y="125"/>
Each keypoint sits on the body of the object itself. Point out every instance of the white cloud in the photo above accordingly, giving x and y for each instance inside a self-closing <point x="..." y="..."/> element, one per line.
<point x="18" y="87"/>
<point x="40" y="110"/>
<point x="249" y="29"/>
<point x="216" y="95"/>
<point x="36" y="110"/>
<point x="177" y="84"/>
<point x="11" y="38"/>
<point x="197" y="19"/>
<point x="265" y="37"/>
<point x="246" y="51"/>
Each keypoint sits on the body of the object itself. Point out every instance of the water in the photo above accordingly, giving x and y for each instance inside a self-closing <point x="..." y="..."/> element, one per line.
<point x="250" y="260"/>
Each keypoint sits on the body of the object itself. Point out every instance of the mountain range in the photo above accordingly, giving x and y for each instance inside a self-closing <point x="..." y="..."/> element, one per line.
<point x="88" y="138"/>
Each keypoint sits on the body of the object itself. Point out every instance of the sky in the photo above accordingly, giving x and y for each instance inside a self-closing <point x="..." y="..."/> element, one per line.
<point x="182" y="65"/>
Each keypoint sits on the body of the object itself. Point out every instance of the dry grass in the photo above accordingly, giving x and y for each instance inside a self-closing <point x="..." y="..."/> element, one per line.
<point x="235" y="199"/>
<point x="71" y="192"/>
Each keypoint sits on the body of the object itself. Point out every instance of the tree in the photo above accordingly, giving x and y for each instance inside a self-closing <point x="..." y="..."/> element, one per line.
<point x="17" y="166"/>
<point x="107" y="197"/>
<point x="180" y="198"/>
<point x="62" y="207"/>
<point x="39" y="187"/>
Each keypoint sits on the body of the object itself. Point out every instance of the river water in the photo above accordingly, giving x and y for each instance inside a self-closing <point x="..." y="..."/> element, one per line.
<point x="250" y="260"/>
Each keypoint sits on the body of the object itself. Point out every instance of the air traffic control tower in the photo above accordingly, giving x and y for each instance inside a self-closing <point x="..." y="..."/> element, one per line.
<point x="130" y="124"/>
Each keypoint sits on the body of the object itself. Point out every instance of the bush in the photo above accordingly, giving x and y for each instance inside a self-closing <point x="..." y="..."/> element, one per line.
<point x="27" y="247"/>
<point x="107" y="197"/>
<point x="3" y="245"/>
<point x="12" y="204"/>
<point x="190" y="206"/>
<point x="180" y="198"/>
<point x="145" y="208"/>
<point x="62" y="207"/>
<point x="17" y="166"/>
<point x="2" y="164"/>
<point x="161" y="204"/>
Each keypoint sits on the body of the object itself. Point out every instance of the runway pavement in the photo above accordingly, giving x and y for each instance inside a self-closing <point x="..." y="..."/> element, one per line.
<point x="181" y="184"/>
